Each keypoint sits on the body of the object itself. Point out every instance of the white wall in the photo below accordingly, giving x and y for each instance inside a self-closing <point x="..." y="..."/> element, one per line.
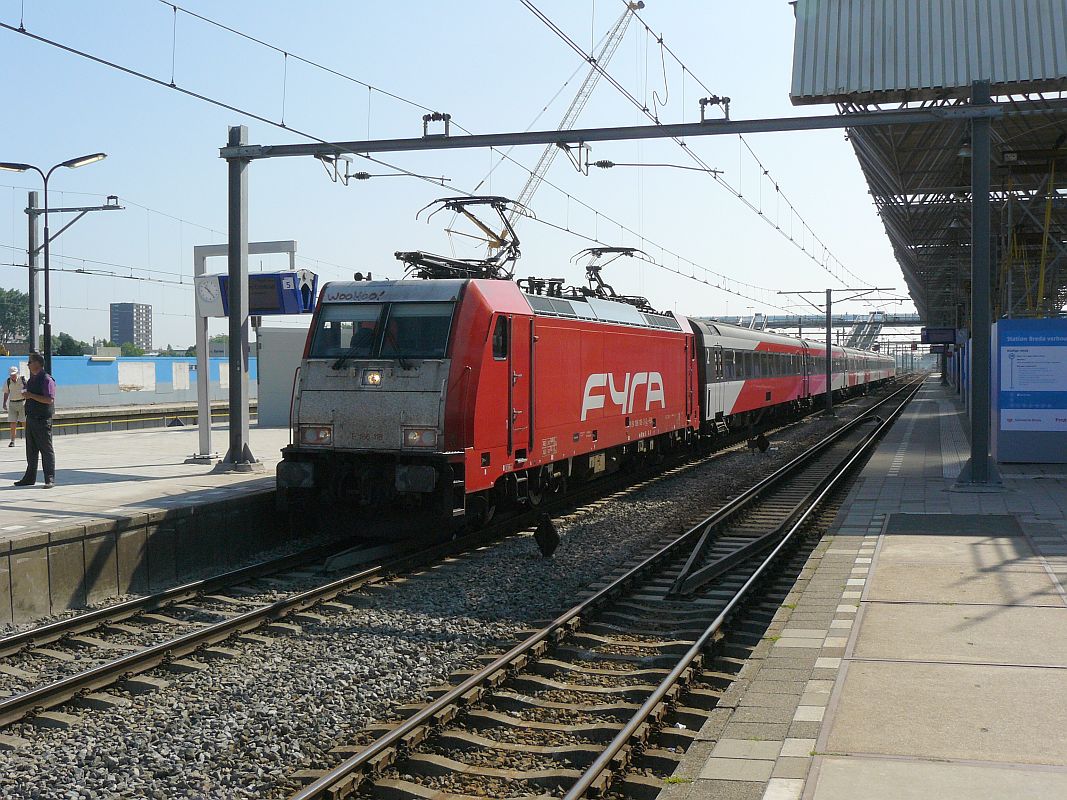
<point x="279" y="351"/>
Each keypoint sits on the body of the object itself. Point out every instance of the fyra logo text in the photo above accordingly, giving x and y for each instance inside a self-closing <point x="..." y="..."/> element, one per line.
<point x="623" y="396"/>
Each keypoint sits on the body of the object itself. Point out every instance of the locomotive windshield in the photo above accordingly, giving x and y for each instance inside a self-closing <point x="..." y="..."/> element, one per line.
<point x="416" y="330"/>
<point x="377" y="330"/>
<point x="346" y="331"/>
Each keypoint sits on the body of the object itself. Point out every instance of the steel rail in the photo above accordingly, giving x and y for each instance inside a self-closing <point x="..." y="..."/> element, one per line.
<point x="54" y="631"/>
<point x="346" y="777"/>
<point x="65" y="689"/>
<point x="60" y="691"/>
<point x="41" y="698"/>
<point x="771" y="481"/>
<point x="595" y="776"/>
<point x="692" y="578"/>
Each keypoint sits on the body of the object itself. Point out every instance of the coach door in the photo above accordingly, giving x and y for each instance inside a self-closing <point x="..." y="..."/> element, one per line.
<point x="690" y="363"/>
<point x="520" y="391"/>
<point x="806" y="369"/>
<point x="716" y="382"/>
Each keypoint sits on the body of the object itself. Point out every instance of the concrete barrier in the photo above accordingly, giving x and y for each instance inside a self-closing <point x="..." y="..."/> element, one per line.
<point x="77" y="565"/>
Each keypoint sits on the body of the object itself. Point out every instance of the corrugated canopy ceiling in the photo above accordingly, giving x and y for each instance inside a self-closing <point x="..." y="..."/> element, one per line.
<point x="862" y="53"/>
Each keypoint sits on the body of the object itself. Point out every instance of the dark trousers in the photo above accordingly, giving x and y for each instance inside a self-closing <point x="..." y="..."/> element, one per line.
<point x="39" y="441"/>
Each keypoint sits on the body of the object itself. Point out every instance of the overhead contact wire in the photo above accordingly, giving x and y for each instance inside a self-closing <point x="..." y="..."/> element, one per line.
<point x="274" y="123"/>
<point x="766" y="172"/>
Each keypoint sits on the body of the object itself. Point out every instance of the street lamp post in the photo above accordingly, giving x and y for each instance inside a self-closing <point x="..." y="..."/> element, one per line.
<point x="72" y="163"/>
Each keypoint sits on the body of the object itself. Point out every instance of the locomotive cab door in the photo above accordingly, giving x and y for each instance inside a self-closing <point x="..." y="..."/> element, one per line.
<point x="520" y="400"/>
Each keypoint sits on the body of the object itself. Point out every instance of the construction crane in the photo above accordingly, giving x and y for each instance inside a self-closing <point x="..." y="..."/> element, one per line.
<point x="599" y="62"/>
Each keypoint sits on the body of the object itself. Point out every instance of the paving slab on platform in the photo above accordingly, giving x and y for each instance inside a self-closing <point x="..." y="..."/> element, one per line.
<point x="953" y="525"/>
<point x="985" y="552"/>
<point x="923" y="649"/>
<point x="952" y="711"/>
<point x="965" y="633"/>
<point x="106" y="476"/>
<point x="884" y="779"/>
<point x="961" y="583"/>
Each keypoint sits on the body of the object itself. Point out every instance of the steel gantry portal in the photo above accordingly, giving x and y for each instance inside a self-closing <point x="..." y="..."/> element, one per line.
<point x="239" y="154"/>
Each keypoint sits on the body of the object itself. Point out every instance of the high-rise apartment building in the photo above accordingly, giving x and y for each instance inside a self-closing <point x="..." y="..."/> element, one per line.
<point x="132" y="322"/>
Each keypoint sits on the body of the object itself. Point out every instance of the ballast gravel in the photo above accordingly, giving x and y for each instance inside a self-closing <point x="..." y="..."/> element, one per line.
<point x="242" y="726"/>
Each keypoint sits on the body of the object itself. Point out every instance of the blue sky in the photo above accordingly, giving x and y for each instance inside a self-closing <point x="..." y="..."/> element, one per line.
<point x="492" y="65"/>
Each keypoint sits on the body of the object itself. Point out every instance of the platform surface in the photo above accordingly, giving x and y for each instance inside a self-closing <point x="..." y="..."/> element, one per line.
<point x="923" y="652"/>
<point x="102" y="476"/>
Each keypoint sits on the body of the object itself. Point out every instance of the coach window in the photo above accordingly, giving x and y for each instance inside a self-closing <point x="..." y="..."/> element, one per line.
<point x="500" y="338"/>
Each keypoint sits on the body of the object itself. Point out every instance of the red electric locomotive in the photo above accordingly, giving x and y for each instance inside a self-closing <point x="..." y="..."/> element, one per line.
<point x="458" y="394"/>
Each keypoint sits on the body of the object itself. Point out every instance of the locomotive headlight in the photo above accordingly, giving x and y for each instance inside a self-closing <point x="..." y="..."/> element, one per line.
<point x="372" y="377"/>
<point x="419" y="437"/>
<point x="316" y="434"/>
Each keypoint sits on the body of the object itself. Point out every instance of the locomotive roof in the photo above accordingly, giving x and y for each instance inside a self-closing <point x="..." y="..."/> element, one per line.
<point x="598" y="309"/>
<point x="445" y="289"/>
<point x="392" y="291"/>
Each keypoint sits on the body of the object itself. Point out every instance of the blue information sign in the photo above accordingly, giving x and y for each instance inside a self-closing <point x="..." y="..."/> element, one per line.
<point x="289" y="292"/>
<point x="1032" y="390"/>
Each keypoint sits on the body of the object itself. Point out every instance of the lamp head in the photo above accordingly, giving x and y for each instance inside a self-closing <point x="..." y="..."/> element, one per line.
<point x="12" y="167"/>
<point x="81" y="161"/>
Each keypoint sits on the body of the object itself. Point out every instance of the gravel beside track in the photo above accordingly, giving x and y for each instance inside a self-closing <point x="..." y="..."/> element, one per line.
<point x="241" y="727"/>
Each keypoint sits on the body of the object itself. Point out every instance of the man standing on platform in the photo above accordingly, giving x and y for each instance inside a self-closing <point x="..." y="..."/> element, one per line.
<point x="40" y="397"/>
<point x="14" y="386"/>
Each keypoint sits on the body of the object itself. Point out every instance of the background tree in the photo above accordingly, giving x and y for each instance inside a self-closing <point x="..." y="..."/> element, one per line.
<point x="130" y="349"/>
<point x="14" y="315"/>
<point x="66" y="345"/>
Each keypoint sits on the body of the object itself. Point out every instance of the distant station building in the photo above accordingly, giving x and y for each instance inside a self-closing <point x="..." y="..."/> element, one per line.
<point x="132" y="322"/>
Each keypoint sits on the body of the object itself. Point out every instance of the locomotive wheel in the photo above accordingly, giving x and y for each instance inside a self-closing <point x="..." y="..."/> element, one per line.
<point x="535" y="496"/>
<point x="482" y="510"/>
<point x="559" y="486"/>
<point x="538" y="486"/>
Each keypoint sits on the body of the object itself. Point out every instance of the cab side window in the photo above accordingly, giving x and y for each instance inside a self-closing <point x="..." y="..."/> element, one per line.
<point x="500" y="338"/>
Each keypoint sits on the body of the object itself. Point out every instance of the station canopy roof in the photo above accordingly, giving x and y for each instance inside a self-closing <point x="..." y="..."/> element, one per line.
<point x="867" y="55"/>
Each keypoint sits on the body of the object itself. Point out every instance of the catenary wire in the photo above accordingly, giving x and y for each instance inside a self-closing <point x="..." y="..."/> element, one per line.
<point x="268" y="121"/>
<point x="655" y="119"/>
<point x="765" y="172"/>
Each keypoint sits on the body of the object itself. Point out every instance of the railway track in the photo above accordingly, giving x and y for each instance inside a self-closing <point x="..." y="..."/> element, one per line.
<point x="607" y="696"/>
<point x="36" y="691"/>
<point x="78" y="658"/>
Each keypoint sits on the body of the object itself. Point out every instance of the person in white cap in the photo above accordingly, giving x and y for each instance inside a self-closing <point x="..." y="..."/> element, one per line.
<point x="14" y="403"/>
